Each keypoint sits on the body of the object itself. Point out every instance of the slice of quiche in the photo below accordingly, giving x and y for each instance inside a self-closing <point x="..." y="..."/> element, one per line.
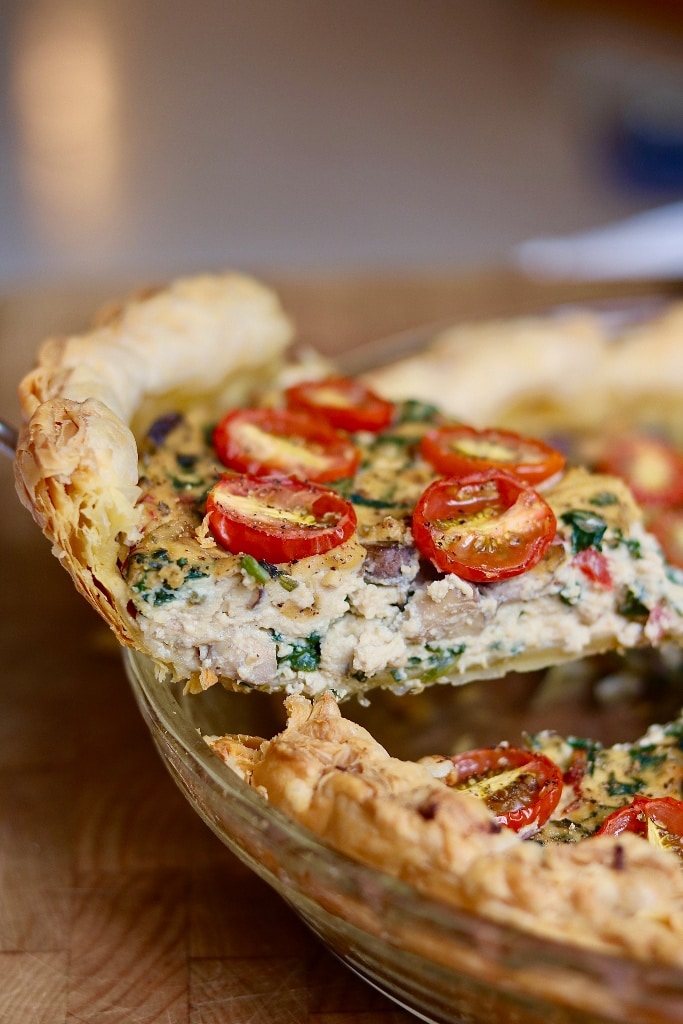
<point x="266" y="527"/>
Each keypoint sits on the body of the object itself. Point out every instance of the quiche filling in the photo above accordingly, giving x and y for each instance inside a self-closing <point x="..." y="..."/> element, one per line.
<point x="598" y="780"/>
<point x="558" y="789"/>
<point x="375" y="609"/>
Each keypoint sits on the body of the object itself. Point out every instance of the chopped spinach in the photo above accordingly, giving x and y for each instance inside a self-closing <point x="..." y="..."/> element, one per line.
<point x="193" y="573"/>
<point x="303" y="654"/>
<point x="160" y="595"/>
<point x="619" y="787"/>
<point x="647" y="757"/>
<point x="632" y="606"/>
<point x="571" y="594"/>
<point x="399" y="441"/>
<point x="430" y="667"/>
<point x="155" y="591"/>
<point x="674" y="574"/>
<point x="591" y="750"/>
<point x="345" y="488"/>
<point x="632" y="545"/>
<point x="588" y="529"/>
<point x="361" y="499"/>
<point x="185" y="483"/>
<point x="414" y="411"/>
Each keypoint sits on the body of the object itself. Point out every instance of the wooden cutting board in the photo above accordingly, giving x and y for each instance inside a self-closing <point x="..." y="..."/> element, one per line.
<point x="117" y="904"/>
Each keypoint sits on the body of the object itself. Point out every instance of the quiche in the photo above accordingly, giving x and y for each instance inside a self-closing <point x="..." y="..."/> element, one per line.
<point x="520" y="845"/>
<point x="248" y="519"/>
<point x="264" y="524"/>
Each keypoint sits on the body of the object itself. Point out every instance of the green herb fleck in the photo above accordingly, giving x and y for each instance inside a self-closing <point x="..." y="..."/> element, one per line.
<point x="287" y="582"/>
<point x="674" y="574"/>
<point x="414" y="411"/>
<point x="161" y="595"/>
<point x="588" y="529"/>
<point x="185" y="483"/>
<point x="647" y="757"/>
<point x="303" y="654"/>
<point x="429" y="668"/>
<point x="571" y="594"/>
<point x="632" y="545"/>
<point x="254" y="569"/>
<point x="194" y="573"/>
<point x="263" y="571"/>
<point x="603" y="498"/>
<point x="619" y="787"/>
<point x="632" y="607"/>
<point x="345" y="488"/>
<point x="361" y="499"/>
<point x="590" y="748"/>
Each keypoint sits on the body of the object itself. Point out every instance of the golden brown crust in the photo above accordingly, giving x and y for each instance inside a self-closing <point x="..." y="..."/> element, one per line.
<point x="332" y="776"/>
<point x="605" y="892"/>
<point x="76" y="466"/>
<point x="574" y="368"/>
<point x="616" y="894"/>
<point x="76" y="471"/>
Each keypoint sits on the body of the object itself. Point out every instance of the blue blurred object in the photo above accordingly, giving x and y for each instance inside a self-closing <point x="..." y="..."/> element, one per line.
<point x="647" y="144"/>
<point x="647" y="157"/>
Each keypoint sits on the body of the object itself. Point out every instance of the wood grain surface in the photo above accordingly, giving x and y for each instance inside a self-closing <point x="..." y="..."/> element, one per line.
<point x="117" y="904"/>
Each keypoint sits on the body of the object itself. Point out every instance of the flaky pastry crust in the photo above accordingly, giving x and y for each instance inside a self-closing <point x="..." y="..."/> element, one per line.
<point x="575" y="368"/>
<point x="616" y="894"/>
<point x="76" y="465"/>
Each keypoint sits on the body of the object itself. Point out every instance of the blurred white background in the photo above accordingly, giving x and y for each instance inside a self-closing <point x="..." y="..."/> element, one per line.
<point x="161" y="136"/>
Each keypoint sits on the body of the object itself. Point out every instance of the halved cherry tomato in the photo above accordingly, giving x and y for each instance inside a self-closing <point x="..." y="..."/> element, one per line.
<point x="520" y="787"/>
<point x="459" y="449"/>
<point x="343" y="402"/>
<point x="279" y="520"/>
<point x="658" y="819"/>
<point x="651" y="467"/>
<point x="483" y="527"/>
<point x="667" y="526"/>
<point x="265" y="441"/>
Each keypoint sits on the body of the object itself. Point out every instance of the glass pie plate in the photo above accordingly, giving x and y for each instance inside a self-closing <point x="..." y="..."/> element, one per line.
<point x="442" y="964"/>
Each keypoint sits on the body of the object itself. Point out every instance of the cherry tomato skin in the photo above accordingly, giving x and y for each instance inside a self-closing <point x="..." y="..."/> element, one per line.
<point x="667" y="526"/>
<point x="285" y="442"/>
<point x="651" y="467"/>
<point x="530" y="790"/>
<point x="665" y="811"/>
<point x="458" y="449"/>
<point x="595" y="567"/>
<point x="483" y="527"/>
<point x="345" y="403"/>
<point x="278" y="520"/>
